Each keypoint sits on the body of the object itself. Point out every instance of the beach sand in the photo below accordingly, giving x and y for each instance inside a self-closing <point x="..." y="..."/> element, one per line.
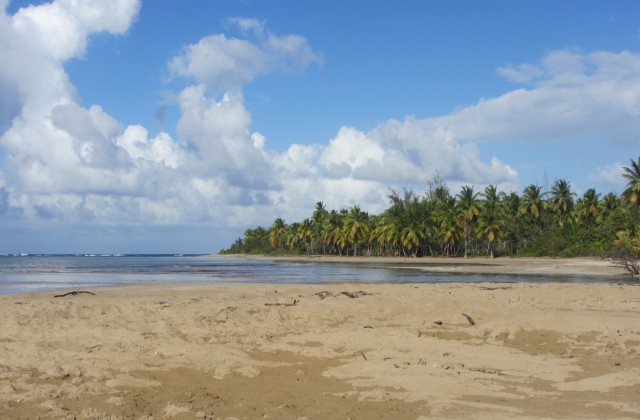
<point x="365" y="351"/>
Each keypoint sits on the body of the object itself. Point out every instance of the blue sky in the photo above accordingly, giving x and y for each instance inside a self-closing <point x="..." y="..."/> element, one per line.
<point x="172" y="126"/>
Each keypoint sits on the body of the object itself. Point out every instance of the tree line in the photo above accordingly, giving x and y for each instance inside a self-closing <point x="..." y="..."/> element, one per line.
<point x="468" y="223"/>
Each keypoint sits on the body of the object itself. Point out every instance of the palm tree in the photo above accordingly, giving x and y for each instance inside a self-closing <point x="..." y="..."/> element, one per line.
<point x="469" y="208"/>
<point x="533" y="203"/>
<point x="562" y="199"/>
<point x="490" y="226"/>
<point x="450" y="227"/>
<point x="511" y="207"/>
<point x="277" y="233"/>
<point x="386" y="232"/>
<point x="588" y="206"/>
<point x="292" y="238"/>
<point x="609" y="203"/>
<point x="629" y="241"/>
<point x="305" y="234"/>
<point x="412" y="236"/>
<point x="256" y="240"/>
<point x="450" y="233"/>
<point x="320" y="213"/>
<point x="332" y="230"/>
<point x="394" y="237"/>
<point x="376" y="236"/>
<point x="632" y="193"/>
<point x="491" y="195"/>
<point x="355" y="227"/>
<point x="425" y="214"/>
<point x="440" y="194"/>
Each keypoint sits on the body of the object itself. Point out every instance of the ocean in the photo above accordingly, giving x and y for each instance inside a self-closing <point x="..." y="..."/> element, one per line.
<point x="29" y="272"/>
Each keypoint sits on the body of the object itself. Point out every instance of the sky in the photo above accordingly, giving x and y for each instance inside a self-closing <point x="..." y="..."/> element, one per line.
<point x="171" y="126"/>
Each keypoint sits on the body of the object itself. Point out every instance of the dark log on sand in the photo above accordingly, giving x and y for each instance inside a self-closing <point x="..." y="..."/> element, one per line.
<point x="471" y="321"/>
<point x="77" y="292"/>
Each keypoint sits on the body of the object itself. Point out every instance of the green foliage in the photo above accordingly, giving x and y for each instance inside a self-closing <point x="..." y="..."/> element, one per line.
<point x="551" y="243"/>
<point x="484" y="223"/>
<point x="632" y="174"/>
<point x="254" y="241"/>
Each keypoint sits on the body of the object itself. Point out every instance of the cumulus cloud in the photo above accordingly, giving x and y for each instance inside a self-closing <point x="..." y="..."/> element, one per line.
<point x="358" y="167"/>
<point x="594" y="96"/>
<point x="76" y="164"/>
<point x="161" y="150"/>
<point x="223" y="63"/>
<point x="37" y="40"/>
<point x="60" y="29"/>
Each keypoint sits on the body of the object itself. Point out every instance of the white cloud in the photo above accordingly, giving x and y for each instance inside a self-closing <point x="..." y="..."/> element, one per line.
<point x="90" y="133"/>
<point x="218" y="135"/>
<point x="249" y="25"/>
<point x="522" y="73"/>
<point x="159" y="150"/>
<point x="79" y="164"/>
<point x="610" y="176"/>
<point x="53" y="145"/>
<point x="60" y="29"/>
<point x="357" y="167"/>
<point x="592" y="96"/>
<point x="223" y="63"/>
<point x="37" y="40"/>
<point x="351" y="150"/>
<point x="220" y="62"/>
<point x="564" y="65"/>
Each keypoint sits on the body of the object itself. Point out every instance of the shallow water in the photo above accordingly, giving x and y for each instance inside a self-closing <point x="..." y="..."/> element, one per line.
<point x="26" y="273"/>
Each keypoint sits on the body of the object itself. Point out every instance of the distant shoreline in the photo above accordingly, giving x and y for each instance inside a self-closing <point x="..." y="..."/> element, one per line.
<point x="592" y="267"/>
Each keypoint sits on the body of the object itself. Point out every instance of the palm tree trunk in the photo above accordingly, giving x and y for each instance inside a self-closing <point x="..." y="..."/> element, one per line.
<point x="466" y="235"/>
<point x="465" y="246"/>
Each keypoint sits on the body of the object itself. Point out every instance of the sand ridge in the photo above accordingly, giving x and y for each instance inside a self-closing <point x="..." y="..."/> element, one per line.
<point x="340" y="351"/>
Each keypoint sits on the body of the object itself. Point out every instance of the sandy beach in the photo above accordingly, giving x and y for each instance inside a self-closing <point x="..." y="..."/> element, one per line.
<point x="343" y="351"/>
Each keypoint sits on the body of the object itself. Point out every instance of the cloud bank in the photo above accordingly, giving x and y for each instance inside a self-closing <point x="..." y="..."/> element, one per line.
<point x="73" y="165"/>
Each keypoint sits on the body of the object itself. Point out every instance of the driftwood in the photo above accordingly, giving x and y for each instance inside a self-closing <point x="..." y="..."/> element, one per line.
<point x="629" y="264"/>
<point x="355" y="295"/>
<point x="75" y="292"/>
<point x="471" y="321"/>
<point x="323" y="295"/>
<point x="352" y="295"/>
<point x="295" y="301"/>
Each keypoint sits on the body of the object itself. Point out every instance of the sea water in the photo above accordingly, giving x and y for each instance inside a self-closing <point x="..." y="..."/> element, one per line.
<point x="28" y="272"/>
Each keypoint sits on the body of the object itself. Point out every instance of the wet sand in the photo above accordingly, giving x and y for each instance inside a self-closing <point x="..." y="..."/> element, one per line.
<point x="401" y="351"/>
<point x="591" y="267"/>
